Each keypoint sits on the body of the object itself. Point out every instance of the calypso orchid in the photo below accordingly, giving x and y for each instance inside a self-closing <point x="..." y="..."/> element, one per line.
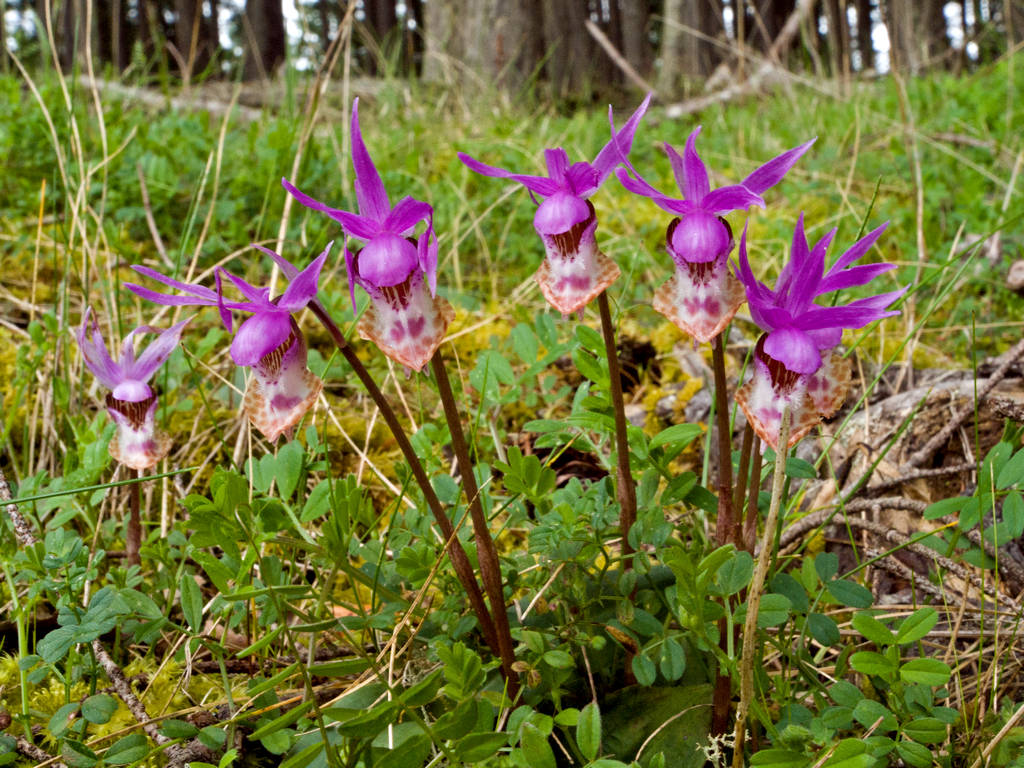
<point x="702" y="296"/>
<point x="131" y="402"/>
<point x="282" y="388"/>
<point x="575" y="271"/>
<point x="795" y="362"/>
<point x="406" y="319"/>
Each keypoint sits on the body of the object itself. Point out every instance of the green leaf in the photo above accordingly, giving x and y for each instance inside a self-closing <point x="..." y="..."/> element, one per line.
<point x="800" y="469"/>
<point x="424" y="691"/>
<point x="412" y="753"/>
<point x="673" y="660"/>
<point x="827" y="566"/>
<point x="945" y="507"/>
<point x="823" y="629"/>
<point x="644" y="670"/>
<point x="1013" y="513"/>
<point x="845" y="694"/>
<point x="735" y="573"/>
<point x="178" y="729"/>
<point x="917" y="625"/>
<point x="773" y="611"/>
<point x="925" y="671"/>
<point x="1012" y="471"/>
<point x="871" y="663"/>
<point x="926" y="730"/>
<point x="289" y="463"/>
<point x="588" y="731"/>
<point x="850" y="594"/>
<point x="873" y="630"/>
<point x="868" y="711"/>
<point x="559" y="659"/>
<point x="99" y="709"/>
<point x="678" y="435"/>
<point x="850" y="753"/>
<point x="128" y="750"/>
<point x="590" y="338"/>
<point x="61" y="719"/>
<point x="778" y="758"/>
<point x="191" y="602"/>
<point x="77" y="755"/>
<point x="475" y="747"/>
<point x="535" y="747"/>
<point x="914" y="754"/>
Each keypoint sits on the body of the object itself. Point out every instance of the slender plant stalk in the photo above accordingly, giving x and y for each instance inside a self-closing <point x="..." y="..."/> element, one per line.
<point x="133" y="533"/>
<point x="490" y="568"/>
<point x="722" y="698"/>
<point x="460" y="561"/>
<point x="741" y="488"/>
<point x="723" y="527"/>
<point x="754" y="595"/>
<point x="750" y="521"/>
<point x="626" y="488"/>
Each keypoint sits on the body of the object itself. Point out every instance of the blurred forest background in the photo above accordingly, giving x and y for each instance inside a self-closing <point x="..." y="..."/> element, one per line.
<point x="566" y="49"/>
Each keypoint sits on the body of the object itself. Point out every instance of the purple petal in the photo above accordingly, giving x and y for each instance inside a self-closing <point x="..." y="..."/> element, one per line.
<point x="288" y="269"/>
<point x="847" y="278"/>
<point x="690" y="172"/>
<point x="620" y="144"/>
<point x="257" y="296"/>
<point x="354" y="225"/>
<point x="260" y="335"/>
<point x="757" y="292"/>
<point x="856" y="314"/>
<point x="858" y="249"/>
<point x="198" y="291"/>
<point x="794" y="349"/>
<point x="827" y="338"/>
<point x="558" y="163"/>
<point x="807" y="281"/>
<point x="542" y="185"/>
<point x="350" y="270"/>
<point x="732" y="198"/>
<point x="771" y="173"/>
<point x="426" y="251"/>
<point x="582" y="179"/>
<point x="94" y="352"/>
<point x="222" y="306"/>
<point x="370" y="193"/>
<point x="156" y="353"/>
<point x="560" y="213"/>
<point x="303" y="288"/>
<point x="406" y="215"/>
<point x="169" y="299"/>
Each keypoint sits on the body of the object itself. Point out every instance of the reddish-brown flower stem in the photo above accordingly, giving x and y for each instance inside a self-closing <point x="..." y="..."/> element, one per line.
<point x="741" y="488"/>
<point x="750" y="522"/>
<point x="460" y="561"/>
<point x="133" y="531"/>
<point x="626" y="490"/>
<point x="490" y="568"/>
<point x="722" y="700"/>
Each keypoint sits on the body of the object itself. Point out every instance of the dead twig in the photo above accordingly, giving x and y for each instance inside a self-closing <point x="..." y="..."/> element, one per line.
<point x="942" y="436"/>
<point x="617" y="58"/>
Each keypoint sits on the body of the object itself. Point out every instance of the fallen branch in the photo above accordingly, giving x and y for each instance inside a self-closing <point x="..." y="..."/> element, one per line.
<point x="942" y="436"/>
<point x="619" y="60"/>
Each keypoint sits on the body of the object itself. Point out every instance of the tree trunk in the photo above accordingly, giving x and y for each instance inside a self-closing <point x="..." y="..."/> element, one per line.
<point x="71" y="39"/>
<point x="767" y="21"/>
<point x="495" y="40"/>
<point x="685" y="50"/>
<point x="634" y="21"/>
<point x="569" y="47"/>
<point x="838" y="37"/>
<point x="865" y="44"/>
<point x="263" y="29"/>
<point x="917" y="30"/>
